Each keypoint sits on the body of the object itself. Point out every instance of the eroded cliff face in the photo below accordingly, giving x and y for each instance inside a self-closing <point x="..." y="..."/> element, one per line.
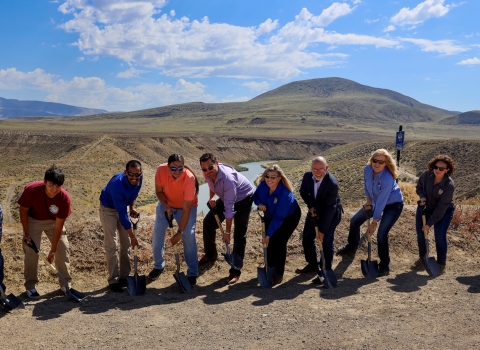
<point x="89" y="160"/>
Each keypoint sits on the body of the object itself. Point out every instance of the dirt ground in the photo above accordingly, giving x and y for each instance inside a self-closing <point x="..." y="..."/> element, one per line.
<point x="405" y="310"/>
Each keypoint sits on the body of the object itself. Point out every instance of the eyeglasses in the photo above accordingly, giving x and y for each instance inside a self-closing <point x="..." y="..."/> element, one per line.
<point x="273" y="177"/>
<point x="179" y="168"/>
<point x="134" y="174"/>
<point x="441" y="168"/>
<point x="318" y="169"/>
<point x="210" y="167"/>
<point x="381" y="162"/>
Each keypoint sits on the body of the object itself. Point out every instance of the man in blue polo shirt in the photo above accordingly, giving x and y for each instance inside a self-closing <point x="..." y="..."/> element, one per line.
<point x="121" y="192"/>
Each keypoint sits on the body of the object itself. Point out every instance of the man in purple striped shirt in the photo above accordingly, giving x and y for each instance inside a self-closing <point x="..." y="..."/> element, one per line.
<point x="234" y="204"/>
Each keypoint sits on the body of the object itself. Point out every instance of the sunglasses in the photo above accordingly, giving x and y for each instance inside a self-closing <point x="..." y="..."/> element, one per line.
<point x="273" y="177"/>
<point x="134" y="174"/>
<point x="210" y="167"/>
<point x="381" y="162"/>
<point x="180" y="168"/>
<point x="441" y="168"/>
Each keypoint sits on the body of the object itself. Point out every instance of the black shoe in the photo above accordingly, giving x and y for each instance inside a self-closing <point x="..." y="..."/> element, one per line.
<point x="441" y="269"/>
<point x="317" y="280"/>
<point x="123" y="282"/>
<point x="346" y="250"/>
<point x="192" y="280"/>
<point x="116" y="287"/>
<point x="154" y="274"/>
<point x="383" y="273"/>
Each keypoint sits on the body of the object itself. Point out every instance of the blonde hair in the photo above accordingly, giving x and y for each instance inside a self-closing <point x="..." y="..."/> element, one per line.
<point x="276" y="167"/>
<point x="391" y="166"/>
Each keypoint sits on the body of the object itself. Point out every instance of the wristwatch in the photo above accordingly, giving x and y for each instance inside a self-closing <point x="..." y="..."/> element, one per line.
<point x="227" y="233"/>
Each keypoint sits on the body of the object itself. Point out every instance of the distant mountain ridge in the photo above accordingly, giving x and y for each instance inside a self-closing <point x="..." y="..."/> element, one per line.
<point x="471" y="118"/>
<point x="334" y="99"/>
<point x="10" y="108"/>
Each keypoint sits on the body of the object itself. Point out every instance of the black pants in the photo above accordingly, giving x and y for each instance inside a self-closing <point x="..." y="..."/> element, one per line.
<point x="277" y="245"/>
<point x="240" y="225"/>
<point x="310" y="244"/>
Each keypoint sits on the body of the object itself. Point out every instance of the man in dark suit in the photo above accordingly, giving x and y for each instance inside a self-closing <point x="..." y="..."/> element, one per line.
<point x="319" y="191"/>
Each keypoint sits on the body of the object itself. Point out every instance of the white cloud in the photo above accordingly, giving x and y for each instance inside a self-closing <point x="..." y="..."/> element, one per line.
<point x="423" y="11"/>
<point x="470" y="61"/>
<point x="130" y="73"/>
<point x="198" y="48"/>
<point x="231" y="98"/>
<point x="93" y="92"/>
<point x="446" y="47"/>
<point x="172" y="13"/>
<point x="389" y="28"/>
<point x="257" y="86"/>
<point x="370" y="21"/>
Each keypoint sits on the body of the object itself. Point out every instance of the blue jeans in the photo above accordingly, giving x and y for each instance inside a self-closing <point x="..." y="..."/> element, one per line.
<point x="188" y="238"/>
<point x="1" y="267"/>
<point x="390" y="215"/>
<point x="440" y="230"/>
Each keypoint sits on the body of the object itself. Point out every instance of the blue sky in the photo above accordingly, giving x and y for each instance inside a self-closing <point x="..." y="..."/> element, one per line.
<point x="123" y="55"/>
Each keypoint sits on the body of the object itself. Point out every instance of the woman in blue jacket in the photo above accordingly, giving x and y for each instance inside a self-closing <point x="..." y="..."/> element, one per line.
<point x="274" y="196"/>
<point x="384" y="203"/>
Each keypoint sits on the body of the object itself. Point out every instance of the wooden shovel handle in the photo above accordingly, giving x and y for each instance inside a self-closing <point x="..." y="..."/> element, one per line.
<point x="424" y="221"/>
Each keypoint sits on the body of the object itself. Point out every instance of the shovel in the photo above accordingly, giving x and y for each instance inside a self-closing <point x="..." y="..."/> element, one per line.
<point x="234" y="260"/>
<point x="136" y="284"/>
<point x="327" y="277"/>
<point x="369" y="267"/>
<point x="72" y="293"/>
<point x="430" y="263"/>
<point x="180" y="277"/>
<point x="10" y="302"/>
<point x="266" y="275"/>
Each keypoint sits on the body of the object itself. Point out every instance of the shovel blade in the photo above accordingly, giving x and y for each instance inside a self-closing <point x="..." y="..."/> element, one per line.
<point x="263" y="278"/>
<point x="11" y="303"/>
<point x="328" y="278"/>
<point x="369" y="269"/>
<point x="75" y="294"/>
<point x="431" y="266"/>
<point x="234" y="260"/>
<point x="182" y="282"/>
<point x="136" y="285"/>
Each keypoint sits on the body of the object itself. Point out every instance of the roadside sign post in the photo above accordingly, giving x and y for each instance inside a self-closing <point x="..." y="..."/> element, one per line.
<point x="399" y="141"/>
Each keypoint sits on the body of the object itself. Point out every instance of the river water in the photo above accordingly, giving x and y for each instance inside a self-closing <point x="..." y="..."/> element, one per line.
<point x="254" y="169"/>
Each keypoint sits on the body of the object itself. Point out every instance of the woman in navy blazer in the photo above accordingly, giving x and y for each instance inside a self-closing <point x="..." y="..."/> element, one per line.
<point x="274" y="196"/>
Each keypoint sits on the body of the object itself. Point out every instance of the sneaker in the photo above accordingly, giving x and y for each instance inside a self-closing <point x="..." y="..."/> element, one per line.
<point x="441" y="269"/>
<point x="192" y="280"/>
<point x="116" y="287"/>
<point x="123" y="282"/>
<point x="33" y="294"/>
<point x="346" y="250"/>
<point x="154" y="274"/>
<point x="418" y="265"/>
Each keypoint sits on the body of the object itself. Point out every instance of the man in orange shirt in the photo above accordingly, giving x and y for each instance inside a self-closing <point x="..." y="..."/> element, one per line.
<point x="176" y="187"/>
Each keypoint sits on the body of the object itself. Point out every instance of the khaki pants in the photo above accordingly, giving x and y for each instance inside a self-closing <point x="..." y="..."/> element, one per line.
<point x="111" y="225"/>
<point x="62" y="255"/>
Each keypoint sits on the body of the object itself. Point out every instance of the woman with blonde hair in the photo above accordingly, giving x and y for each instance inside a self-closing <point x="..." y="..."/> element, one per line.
<point x="435" y="188"/>
<point x="384" y="203"/>
<point x="274" y="196"/>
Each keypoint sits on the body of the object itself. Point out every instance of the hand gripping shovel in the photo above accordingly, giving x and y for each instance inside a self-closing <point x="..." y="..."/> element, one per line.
<point x="327" y="277"/>
<point x="72" y="293"/>
<point x="430" y="263"/>
<point x="136" y="284"/>
<point x="369" y="267"/>
<point x="10" y="302"/>
<point x="266" y="275"/>
<point x="234" y="260"/>
<point x="180" y="277"/>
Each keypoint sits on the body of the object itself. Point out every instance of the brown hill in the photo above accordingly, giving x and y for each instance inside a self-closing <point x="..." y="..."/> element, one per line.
<point x="467" y="118"/>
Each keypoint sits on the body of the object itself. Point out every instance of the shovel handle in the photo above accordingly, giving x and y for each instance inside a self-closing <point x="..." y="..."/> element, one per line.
<point x="134" y="221"/>
<point x="169" y="219"/>
<point x="262" y="219"/>
<point x="219" y="223"/>
<point x="424" y="221"/>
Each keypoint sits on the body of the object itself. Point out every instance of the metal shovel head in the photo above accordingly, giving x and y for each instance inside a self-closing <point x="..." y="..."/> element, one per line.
<point x="329" y="278"/>
<point x="369" y="269"/>
<point x="75" y="294"/>
<point x="431" y="266"/>
<point x="136" y="285"/>
<point x="11" y="303"/>
<point x="234" y="260"/>
<point x="266" y="276"/>
<point x="182" y="282"/>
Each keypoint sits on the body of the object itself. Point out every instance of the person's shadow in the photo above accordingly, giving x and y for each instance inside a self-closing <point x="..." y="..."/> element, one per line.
<point x="408" y="282"/>
<point x="472" y="281"/>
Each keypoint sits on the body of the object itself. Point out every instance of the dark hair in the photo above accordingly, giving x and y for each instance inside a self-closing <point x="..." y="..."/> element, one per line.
<point x="54" y="175"/>
<point x="176" y="157"/>
<point x="133" y="164"/>
<point x="207" y="156"/>
<point x="451" y="166"/>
